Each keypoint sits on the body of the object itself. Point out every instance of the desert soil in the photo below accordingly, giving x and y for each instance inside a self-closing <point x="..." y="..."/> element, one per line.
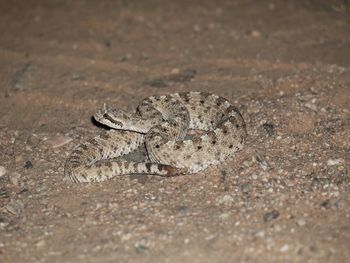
<point x="285" y="64"/>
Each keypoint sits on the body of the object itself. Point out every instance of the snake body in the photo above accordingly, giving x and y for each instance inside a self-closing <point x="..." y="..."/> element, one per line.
<point x="161" y="122"/>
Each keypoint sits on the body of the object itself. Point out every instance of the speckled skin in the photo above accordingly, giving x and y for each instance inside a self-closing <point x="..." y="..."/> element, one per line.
<point x="162" y="123"/>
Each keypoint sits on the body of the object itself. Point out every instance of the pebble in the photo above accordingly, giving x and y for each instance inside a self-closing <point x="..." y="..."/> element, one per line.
<point x="126" y="57"/>
<point x="14" y="178"/>
<point x="332" y="162"/>
<point x="260" y="234"/>
<point x="247" y="163"/>
<point x="225" y="200"/>
<point x="182" y="209"/>
<point x="125" y="237"/>
<point x="311" y="106"/>
<point x="224" y="216"/>
<point x="269" y="216"/>
<point x="41" y="188"/>
<point x="175" y="71"/>
<point x="269" y="128"/>
<point x="59" y="141"/>
<point x="285" y="248"/>
<point x="246" y="187"/>
<point x="14" y="207"/>
<point x="301" y="222"/>
<point x="326" y="204"/>
<point x="287" y="140"/>
<point x="40" y="244"/>
<point x="75" y="76"/>
<point x="2" y="171"/>
<point x="262" y="162"/>
<point x="255" y="33"/>
<point x="140" y="248"/>
<point x="28" y="165"/>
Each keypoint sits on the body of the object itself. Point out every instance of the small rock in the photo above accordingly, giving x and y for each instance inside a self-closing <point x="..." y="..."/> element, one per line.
<point x="247" y="163"/>
<point x="301" y="222"/>
<point x="126" y="237"/>
<point x="285" y="248"/>
<point x="311" y="106"/>
<point x="255" y="33"/>
<point x="140" y="248"/>
<point x="262" y="162"/>
<point x="210" y="237"/>
<point x="126" y="57"/>
<point x="246" y="187"/>
<point x="40" y="244"/>
<point x="41" y="188"/>
<point x="182" y="209"/>
<point x="260" y="234"/>
<point x="326" y="204"/>
<point x="17" y="81"/>
<point x="2" y="171"/>
<point x="224" y="216"/>
<point x="269" y="128"/>
<point x="269" y="216"/>
<point x="75" y="76"/>
<point x="175" y="71"/>
<point x="225" y="200"/>
<point x="14" y="207"/>
<point x="196" y="28"/>
<point x="287" y="140"/>
<point x="28" y="165"/>
<point x="332" y="162"/>
<point x="14" y="178"/>
<point x="59" y="141"/>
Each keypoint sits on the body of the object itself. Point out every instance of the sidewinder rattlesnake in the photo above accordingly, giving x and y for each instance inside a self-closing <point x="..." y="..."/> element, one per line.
<point x="161" y="122"/>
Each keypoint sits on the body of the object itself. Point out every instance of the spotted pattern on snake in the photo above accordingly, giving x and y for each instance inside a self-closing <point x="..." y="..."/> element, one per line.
<point x="162" y="123"/>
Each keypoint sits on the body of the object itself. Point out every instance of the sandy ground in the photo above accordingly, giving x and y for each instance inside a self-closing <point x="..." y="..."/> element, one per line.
<point x="284" y="64"/>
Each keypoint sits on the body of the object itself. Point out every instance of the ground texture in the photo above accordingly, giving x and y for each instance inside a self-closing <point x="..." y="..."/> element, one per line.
<point x="285" y="64"/>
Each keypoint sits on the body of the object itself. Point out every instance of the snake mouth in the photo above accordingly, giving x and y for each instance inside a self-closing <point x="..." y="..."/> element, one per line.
<point x="106" y="116"/>
<point x="103" y="116"/>
<point x="106" y="119"/>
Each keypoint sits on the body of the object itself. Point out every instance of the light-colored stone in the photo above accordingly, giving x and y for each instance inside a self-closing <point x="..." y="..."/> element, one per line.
<point x="59" y="141"/>
<point x="14" y="178"/>
<point x="332" y="162"/>
<point x="2" y="171"/>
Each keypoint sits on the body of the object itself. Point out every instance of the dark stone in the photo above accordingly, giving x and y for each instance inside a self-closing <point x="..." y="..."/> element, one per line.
<point x="326" y="204"/>
<point x="269" y="129"/>
<point x="28" y="165"/>
<point x="182" y="209"/>
<point x="269" y="216"/>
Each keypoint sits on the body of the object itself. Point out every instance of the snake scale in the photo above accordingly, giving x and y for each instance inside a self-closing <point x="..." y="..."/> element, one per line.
<point x="162" y="123"/>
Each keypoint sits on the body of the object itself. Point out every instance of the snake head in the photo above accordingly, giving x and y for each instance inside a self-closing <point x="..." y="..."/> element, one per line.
<point x="112" y="118"/>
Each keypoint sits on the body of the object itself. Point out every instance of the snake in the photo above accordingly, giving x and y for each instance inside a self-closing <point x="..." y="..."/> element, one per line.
<point x="184" y="133"/>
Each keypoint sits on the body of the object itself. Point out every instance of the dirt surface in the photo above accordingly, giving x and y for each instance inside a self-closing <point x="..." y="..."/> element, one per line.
<point x="285" y="64"/>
